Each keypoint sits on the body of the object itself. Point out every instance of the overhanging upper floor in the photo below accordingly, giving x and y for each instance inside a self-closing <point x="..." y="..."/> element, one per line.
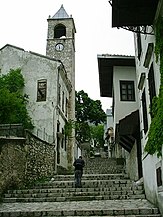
<point x="106" y="63"/>
<point x="133" y="13"/>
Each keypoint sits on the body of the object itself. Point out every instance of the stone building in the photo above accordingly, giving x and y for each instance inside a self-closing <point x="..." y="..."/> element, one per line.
<point x="50" y="84"/>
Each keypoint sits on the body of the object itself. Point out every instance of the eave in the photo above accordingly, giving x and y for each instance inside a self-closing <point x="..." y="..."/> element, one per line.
<point x="133" y="13"/>
<point x="105" y="68"/>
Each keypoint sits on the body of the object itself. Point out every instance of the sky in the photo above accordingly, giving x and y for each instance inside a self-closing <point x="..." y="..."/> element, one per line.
<point x="23" y="23"/>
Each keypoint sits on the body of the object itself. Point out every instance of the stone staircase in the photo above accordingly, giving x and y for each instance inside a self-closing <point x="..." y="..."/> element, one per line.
<point x="106" y="191"/>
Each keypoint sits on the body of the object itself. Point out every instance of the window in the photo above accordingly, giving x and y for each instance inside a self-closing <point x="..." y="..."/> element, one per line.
<point x="158" y="176"/>
<point x="59" y="94"/>
<point x="58" y="143"/>
<point x="151" y="83"/>
<point x="66" y="107"/>
<point x="65" y="143"/>
<point x="59" y="31"/>
<point x="127" y="90"/>
<point x="62" y="143"/>
<point x="41" y="90"/>
<point x="63" y="101"/>
<point x="139" y="47"/>
<point x="145" y="118"/>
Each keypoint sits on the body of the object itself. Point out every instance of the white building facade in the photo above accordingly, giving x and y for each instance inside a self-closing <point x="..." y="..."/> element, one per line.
<point x="50" y="85"/>
<point x="141" y="17"/>
<point x="148" y="81"/>
<point x="118" y="80"/>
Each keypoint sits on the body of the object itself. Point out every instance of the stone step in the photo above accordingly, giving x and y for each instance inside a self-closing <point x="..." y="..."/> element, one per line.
<point x="70" y="197"/>
<point x="153" y="215"/>
<point x="93" y="170"/>
<point x="83" y="208"/>
<point x="99" y="165"/>
<point x="101" y="195"/>
<point x="86" y="184"/>
<point x="28" y="195"/>
<point x="91" y="177"/>
<point x="75" y="190"/>
<point x="121" y="213"/>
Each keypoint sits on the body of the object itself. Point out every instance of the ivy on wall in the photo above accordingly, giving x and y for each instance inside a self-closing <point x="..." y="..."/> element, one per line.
<point x="155" y="136"/>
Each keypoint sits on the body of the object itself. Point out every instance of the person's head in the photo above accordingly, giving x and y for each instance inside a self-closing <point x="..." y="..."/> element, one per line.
<point x="80" y="157"/>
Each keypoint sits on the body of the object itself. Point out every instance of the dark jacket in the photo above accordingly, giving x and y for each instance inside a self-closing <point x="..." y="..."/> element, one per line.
<point x="79" y="164"/>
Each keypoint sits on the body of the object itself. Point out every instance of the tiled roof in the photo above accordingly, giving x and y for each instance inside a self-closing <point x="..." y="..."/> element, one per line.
<point x="114" y="56"/>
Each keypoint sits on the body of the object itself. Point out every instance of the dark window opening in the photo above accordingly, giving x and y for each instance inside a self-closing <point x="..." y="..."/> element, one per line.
<point x="58" y="143"/>
<point x="59" y="94"/>
<point x="151" y="83"/>
<point x="139" y="47"/>
<point x="63" y="101"/>
<point x="65" y="143"/>
<point x="62" y="144"/>
<point x="66" y="107"/>
<point x="159" y="177"/>
<point x="127" y="90"/>
<point x="59" y="31"/>
<point x="144" y="106"/>
<point x="41" y="90"/>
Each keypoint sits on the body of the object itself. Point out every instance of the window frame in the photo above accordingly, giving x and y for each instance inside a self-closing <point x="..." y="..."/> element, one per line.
<point x="129" y="96"/>
<point x="151" y="84"/>
<point x="63" y="101"/>
<point x="59" y="95"/>
<point x="144" y="110"/>
<point x="41" y="90"/>
<point x="139" y="45"/>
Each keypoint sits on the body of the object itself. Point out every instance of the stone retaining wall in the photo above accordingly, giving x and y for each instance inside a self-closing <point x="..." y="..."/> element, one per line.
<point x="24" y="160"/>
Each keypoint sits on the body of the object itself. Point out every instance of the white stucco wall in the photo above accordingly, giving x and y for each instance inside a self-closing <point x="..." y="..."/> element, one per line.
<point x="44" y="114"/>
<point x="149" y="171"/>
<point x="123" y="108"/>
<point x="109" y="118"/>
<point x="150" y="163"/>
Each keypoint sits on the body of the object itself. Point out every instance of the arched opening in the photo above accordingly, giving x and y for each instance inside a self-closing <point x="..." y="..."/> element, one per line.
<point x="59" y="31"/>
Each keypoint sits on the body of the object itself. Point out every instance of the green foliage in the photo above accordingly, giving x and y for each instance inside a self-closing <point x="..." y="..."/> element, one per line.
<point x="68" y="127"/>
<point x="12" y="102"/>
<point x="88" y="112"/>
<point x="82" y="132"/>
<point x="13" y="81"/>
<point x="155" y="136"/>
<point x="97" y="134"/>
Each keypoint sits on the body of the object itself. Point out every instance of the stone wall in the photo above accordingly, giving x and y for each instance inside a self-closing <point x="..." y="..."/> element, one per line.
<point x="12" y="163"/>
<point x="24" y="160"/>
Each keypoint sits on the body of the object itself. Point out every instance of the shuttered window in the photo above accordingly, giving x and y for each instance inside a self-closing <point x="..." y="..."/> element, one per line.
<point x="41" y="90"/>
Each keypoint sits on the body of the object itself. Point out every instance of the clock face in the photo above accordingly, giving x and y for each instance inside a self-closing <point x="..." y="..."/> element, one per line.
<point x="59" y="47"/>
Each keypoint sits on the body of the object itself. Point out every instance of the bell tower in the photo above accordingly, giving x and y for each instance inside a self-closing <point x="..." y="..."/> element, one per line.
<point x="61" y="41"/>
<point x="61" y="46"/>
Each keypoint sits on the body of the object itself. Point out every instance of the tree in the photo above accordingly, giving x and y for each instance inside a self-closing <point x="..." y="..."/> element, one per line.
<point x="88" y="112"/>
<point x="12" y="101"/>
<point x="97" y="134"/>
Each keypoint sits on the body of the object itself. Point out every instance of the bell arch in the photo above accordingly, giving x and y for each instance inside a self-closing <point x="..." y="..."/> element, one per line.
<point x="59" y="31"/>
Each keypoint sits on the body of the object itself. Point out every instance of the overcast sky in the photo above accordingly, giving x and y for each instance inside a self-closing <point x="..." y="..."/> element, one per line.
<point x="23" y="23"/>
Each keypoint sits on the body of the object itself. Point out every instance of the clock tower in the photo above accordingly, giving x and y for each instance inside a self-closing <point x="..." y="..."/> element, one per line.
<point x="61" y="41"/>
<point x="61" y="46"/>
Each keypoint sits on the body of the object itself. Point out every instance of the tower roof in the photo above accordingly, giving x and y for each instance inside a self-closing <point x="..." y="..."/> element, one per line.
<point x="61" y="13"/>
